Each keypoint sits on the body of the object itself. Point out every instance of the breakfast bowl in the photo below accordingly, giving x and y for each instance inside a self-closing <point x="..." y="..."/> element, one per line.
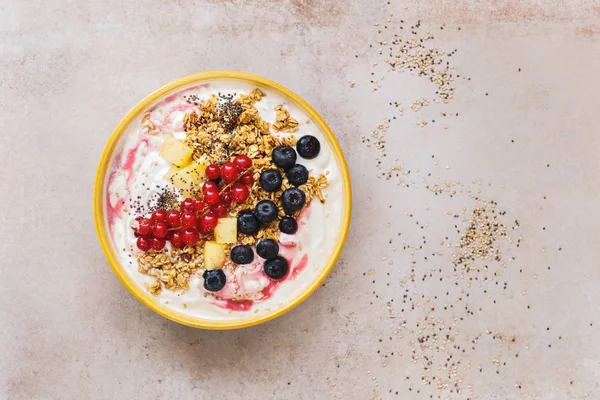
<point x="222" y="200"/>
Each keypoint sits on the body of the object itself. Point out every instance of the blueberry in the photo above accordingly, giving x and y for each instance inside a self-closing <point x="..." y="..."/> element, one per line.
<point x="276" y="268"/>
<point x="293" y="200"/>
<point x="284" y="157"/>
<point x="270" y="180"/>
<point x="266" y="211"/>
<point x="247" y="223"/>
<point x="214" y="280"/>
<point x="308" y="147"/>
<point x="297" y="175"/>
<point x="267" y="249"/>
<point x="288" y="225"/>
<point x="242" y="254"/>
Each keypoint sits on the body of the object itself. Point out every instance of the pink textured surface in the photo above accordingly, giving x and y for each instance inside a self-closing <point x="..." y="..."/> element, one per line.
<point x="70" y="71"/>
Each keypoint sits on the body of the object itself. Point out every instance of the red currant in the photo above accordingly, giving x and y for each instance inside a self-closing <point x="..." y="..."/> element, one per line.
<point x="145" y="227"/>
<point x="242" y="162"/>
<point x="211" y="197"/>
<point x="213" y="171"/>
<point x="229" y="172"/>
<point x="159" y="215"/>
<point x="177" y="240"/>
<point x="208" y="222"/>
<point x="160" y="230"/>
<point x="220" y="210"/>
<point x="173" y="219"/>
<point x="187" y="205"/>
<point x="188" y="219"/>
<point x="144" y="243"/>
<point x="240" y="192"/>
<point x="247" y="179"/>
<point x="199" y="205"/>
<point x="226" y="196"/>
<point x="208" y="186"/>
<point x="190" y="236"/>
<point x="158" y="244"/>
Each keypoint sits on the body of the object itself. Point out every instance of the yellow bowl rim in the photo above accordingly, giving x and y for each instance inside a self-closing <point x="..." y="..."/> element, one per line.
<point x="98" y="195"/>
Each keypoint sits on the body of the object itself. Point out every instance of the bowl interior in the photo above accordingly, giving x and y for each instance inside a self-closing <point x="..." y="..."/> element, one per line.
<point x="131" y="121"/>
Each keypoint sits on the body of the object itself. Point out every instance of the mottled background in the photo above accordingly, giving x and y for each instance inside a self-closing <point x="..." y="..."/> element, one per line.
<point x="526" y="137"/>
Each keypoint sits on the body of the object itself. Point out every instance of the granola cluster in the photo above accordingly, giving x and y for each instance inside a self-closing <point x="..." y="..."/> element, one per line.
<point x="172" y="270"/>
<point x="283" y="121"/>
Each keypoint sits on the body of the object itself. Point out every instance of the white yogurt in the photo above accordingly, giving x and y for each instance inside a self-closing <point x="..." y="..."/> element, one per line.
<point x="315" y="239"/>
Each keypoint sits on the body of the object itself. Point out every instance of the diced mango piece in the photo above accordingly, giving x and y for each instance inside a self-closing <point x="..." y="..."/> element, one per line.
<point x="184" y="181"/>
<point x="214" y="255"/>
<point x="188" y="178"/>
<point x="176" y="152"/>
<point x="197" y="170"/>
<point x="226" y="230"/>
<point x="172" y="171"/>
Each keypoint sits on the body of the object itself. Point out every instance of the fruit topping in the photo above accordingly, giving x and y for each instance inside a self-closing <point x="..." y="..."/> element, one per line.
<point x="173" y="219"/>
<point x="242" y="254"/>
<point x="247" y="223"/>
<point x="270" y="180"/>
<point x="209" y="186"/>
<point x="242" y="162"/>
<point x="176" y="152"/>
<point x="293" y="200"/>
<point x="226" y="196"/>
<point x="158" y="244"/>
<point x="276" y="268"/>
<point x="214" y="255"/>
<point x="308" y="147"/>
<point x="172" y="172"/>
<point x="297" y="175"/>
<point x="197" y="171"/>
<point x="226" y="230"/>
<point x="284" y="157"/>
<point x="266" y="211"/>
<point x="160" y="230"/>
<point x="247" y="179"/>
<point x="144" y="227"/>
<point x="199" y="205"/>
<point x="190" y="236"/>
<point x="213" y="172"/>
<point x="220" y="210"/>
<point x="214" y="280"/>
<point x="159" y="216"/>
<point x="188" y="219"/>
<point x="240" y="192"/>
<point x="144" y="243"/>
<point x="187" y="205"/>
<point x="212" y="197"/>
<point x="229" y="172"/>
<point x="208" y="222"/>
<point x="267" y="249"/>
<point x="288" y="225"/>
<point x="177" y="240"/>
<point x="185" y="179"/>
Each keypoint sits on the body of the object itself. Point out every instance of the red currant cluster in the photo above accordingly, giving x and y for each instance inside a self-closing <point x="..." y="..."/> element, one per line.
<point x="229" y="172"/>
<point x="200" y="215"/>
